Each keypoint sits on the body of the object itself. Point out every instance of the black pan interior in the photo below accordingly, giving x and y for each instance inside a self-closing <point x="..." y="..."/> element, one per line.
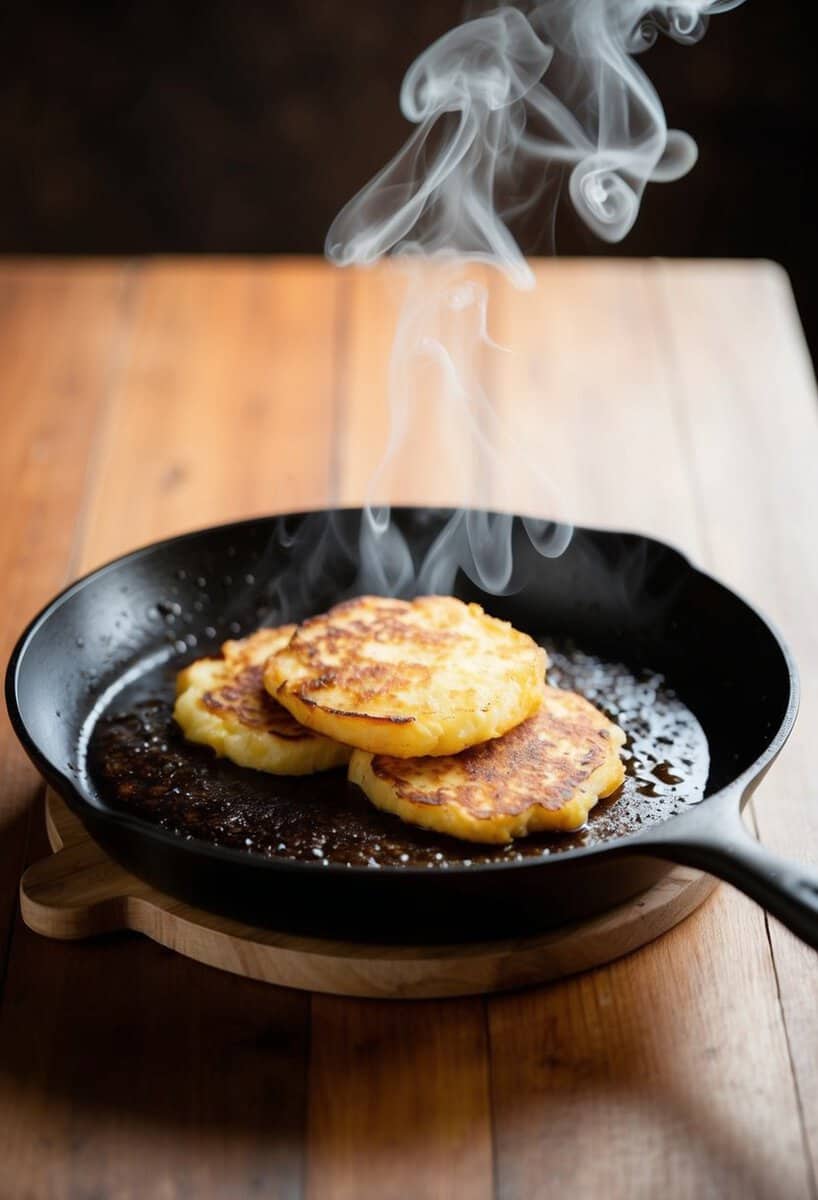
<point x="614" y="606"/>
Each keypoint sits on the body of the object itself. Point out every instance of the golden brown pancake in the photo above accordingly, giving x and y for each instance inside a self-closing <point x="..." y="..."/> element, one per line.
<point x="547" y="773"/>
<point x="430" y="676"/>
<point x="222" y="702"/>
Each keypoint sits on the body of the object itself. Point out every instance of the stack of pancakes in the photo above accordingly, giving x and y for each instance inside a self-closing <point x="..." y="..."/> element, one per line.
<point x="441" y="713"/>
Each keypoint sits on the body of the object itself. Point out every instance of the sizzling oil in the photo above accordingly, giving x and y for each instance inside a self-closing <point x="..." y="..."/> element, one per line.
<point x="140" y="762"/>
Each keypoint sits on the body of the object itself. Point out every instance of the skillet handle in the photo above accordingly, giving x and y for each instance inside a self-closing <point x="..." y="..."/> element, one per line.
<point x="787" y="890"/>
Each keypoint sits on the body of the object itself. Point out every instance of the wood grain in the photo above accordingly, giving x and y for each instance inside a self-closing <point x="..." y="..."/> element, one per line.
<point x="634" y="1081"/>
<point x="435" y="461"/>
<point x="675" y="398"/>
<point x="399" y="1101"/>
<point x="379" y="1125"/>
<point x="621" y="433"/>
<point x="63" y="336"/>
<point x="587" y="388"/>
<point x="225" y="407"/>
<point x="749" y="387"/>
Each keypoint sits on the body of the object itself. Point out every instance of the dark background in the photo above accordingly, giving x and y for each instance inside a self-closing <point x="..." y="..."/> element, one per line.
<point x="131" y="128"/>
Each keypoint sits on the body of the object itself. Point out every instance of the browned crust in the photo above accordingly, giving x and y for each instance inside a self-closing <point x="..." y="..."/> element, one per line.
<point x="246" y="698"/>
<point x="527" y="766"/>
<point x="333" y="655"/>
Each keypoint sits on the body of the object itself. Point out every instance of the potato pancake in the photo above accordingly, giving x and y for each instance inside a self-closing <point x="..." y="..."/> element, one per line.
<point x="429" y="676"/>
<point x="222" y="702"/>
<point x="547" y="773"/>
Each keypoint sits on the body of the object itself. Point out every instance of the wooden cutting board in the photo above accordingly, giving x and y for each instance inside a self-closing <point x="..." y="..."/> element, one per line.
<point x="79" y="891"/>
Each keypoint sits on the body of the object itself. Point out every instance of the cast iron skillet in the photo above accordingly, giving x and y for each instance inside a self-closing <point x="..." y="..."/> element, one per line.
<point x="623" y="595"/>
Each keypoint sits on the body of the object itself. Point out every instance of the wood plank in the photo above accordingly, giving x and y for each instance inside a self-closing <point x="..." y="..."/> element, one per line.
<point x="585" y="386"/>
<point x="383" y="388"/>
<point x="634" y="1080"/>
<point x="63" y="334"/>
<point x="669" y="1070"/>
<point x="131" y="1071"/>
<point x="746" y="388"/>
<point x="227" y="410"/>
<point x="609" y="422"/>
<point x="399" y="1099"/>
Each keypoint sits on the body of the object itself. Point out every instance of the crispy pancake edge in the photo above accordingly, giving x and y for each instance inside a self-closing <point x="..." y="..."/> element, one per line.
<point x="456" y="819"/>
<point x="207" y="717"/>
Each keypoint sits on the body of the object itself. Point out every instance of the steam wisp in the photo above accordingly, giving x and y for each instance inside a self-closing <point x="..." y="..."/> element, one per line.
<point x="500" y="104"/>
<point x="507" y="92"/>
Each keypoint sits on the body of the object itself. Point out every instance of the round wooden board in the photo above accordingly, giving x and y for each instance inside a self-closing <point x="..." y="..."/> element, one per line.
<point x="78" y="892"/>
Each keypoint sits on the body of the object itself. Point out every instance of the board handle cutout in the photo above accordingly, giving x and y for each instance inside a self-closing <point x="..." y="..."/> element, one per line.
<point x="76" y="893"/>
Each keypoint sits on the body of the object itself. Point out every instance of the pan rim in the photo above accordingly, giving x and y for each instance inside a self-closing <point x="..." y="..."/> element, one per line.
<point x="643" y="842"/>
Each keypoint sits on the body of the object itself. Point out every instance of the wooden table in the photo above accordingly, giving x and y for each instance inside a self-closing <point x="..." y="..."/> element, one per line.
<point x="140" y="399"/>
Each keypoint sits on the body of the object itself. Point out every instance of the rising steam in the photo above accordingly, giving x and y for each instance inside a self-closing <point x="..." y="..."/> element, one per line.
<point x="507" y="93"/>
<point x="499" y="104"/>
